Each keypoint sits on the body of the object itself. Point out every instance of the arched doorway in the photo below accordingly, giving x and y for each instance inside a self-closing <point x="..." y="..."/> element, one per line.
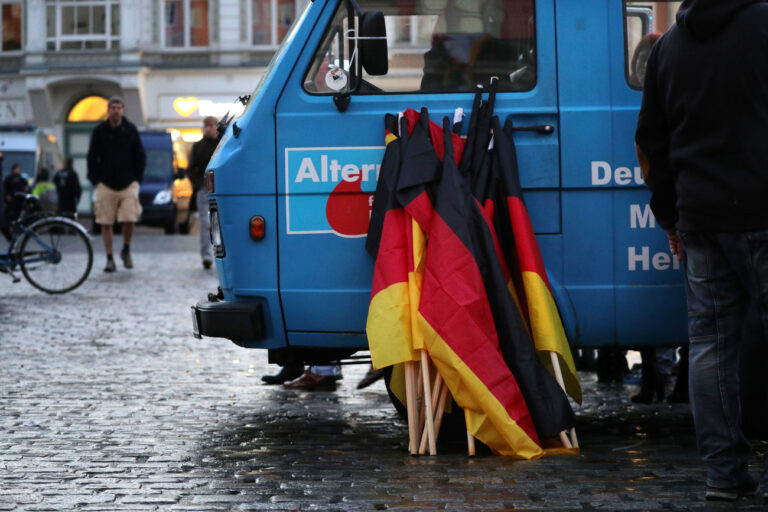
<point x="81" y="120"/>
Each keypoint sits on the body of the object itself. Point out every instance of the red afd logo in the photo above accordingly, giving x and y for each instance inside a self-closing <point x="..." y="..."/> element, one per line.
<point x="348" y="209"/>
<point x="330" y="190"/>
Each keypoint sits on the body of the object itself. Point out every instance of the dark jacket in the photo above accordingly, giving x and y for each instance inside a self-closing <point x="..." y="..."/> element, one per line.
<point x="14" y="183"/>
<point x="704" y="119"/>
<point x="116" y="156"/>
<point x="68" y="189"/>
<point x="12" y="205"/>
<point x="202" y="151"/>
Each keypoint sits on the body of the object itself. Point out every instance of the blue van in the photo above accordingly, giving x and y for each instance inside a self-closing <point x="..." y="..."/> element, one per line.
<point x="161" y="207"/>
<point x="296" y="280"/>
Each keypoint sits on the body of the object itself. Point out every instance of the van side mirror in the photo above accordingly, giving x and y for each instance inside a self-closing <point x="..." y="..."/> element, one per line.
<point x="367" y="50"/>
<point x="373" y="43"/>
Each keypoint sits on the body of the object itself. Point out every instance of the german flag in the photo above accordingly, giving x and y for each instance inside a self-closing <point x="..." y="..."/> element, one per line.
<point x="521" y="251"/>
<point x="465" y="309"/>
<point x="389" y="326"/>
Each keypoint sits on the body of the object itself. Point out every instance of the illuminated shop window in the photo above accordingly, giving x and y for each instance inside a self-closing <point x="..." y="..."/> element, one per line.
<point x="11" y="26"/>
<point x="187" y="23"/>
<point x="183" y="138"/>
<point x="82" y="24"/>
<point x="90" y="109"/>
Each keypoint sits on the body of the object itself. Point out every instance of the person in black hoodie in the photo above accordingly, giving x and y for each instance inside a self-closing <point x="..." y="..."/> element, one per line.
<point x="68" y="189"/>
<point x="702" y="141"/>
<point x="116" y="162"/>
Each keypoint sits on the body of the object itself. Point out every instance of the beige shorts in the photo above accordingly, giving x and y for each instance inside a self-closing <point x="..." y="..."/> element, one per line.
<point x="122" y="205"/>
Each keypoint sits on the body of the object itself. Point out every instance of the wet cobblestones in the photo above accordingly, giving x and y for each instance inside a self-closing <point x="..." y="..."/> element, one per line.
<point x="108" y="403"/>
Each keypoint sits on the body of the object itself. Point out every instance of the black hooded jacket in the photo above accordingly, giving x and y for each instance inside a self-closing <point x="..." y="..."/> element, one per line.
<point x="704" y="120"/>
<point x="116" y="156"/>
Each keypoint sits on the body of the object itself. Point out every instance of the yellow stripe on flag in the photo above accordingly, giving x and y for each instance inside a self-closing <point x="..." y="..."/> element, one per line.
<point x="415" y="279"/>
<point x="548" y="333"/>
<point x="389" y="326"/>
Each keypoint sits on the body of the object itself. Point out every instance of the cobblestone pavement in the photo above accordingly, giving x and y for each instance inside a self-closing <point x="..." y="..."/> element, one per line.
<point x="108" y="403"/>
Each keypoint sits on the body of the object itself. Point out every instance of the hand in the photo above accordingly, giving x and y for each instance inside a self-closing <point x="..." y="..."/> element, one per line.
<point x="675" y="243"/>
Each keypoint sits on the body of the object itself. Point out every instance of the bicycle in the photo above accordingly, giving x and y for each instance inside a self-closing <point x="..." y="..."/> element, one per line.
<point x="54" y="253"/>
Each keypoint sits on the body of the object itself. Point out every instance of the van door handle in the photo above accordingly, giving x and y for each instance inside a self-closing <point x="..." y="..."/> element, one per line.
<point x="541" y="129"/>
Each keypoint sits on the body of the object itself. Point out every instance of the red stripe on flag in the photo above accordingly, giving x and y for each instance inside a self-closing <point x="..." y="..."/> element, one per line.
<point x="392" y="260"/>
<point x="525" y="240"/>
<point x="420" y="209"/>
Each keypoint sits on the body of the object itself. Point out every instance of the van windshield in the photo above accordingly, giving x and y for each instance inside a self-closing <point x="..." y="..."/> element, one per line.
<point x="159" y="163"/>
<point x="26" y="159"/>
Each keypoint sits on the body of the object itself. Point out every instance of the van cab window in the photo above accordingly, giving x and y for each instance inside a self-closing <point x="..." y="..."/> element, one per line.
<point x="644" y="23"/>
<point x="436" y="46"/>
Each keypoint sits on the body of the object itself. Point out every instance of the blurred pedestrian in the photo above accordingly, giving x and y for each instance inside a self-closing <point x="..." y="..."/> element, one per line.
<point x="701" y="144"/>
<point x="45" y="191"/>
<point x="12" y="184"/>
<point x="116" y="162"/>
<point x="68" y="189"/>
<point x="199" y="157"/>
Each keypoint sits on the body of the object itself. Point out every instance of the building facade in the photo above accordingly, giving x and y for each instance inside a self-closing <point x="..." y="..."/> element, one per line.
<point x="172" y="61"/>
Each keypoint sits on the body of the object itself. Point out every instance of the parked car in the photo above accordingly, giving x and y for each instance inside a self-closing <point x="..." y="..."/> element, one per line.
<point x="164" y="200"/>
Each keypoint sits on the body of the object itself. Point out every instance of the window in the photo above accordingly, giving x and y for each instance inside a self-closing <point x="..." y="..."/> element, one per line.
<point x="11" y="26"/>
<point x="438" y="46"/>
<point x="82" y="24"/>
<point x="90" y="109"/>
<point x="644" y="23"/>
<point x="270" y="20"/>
<point x="187" y="23"/>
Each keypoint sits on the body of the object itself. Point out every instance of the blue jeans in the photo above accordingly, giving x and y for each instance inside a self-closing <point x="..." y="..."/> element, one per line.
<point x="206" y="251"/>
<point x="724" y="272"/>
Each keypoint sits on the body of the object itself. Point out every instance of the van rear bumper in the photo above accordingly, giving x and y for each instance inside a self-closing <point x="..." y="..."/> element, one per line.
<point x="236" y="321"/>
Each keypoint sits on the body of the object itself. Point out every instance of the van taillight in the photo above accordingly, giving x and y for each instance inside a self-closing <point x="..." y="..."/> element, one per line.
<point x="209" y="186"/>
<point x="257" y="228"/>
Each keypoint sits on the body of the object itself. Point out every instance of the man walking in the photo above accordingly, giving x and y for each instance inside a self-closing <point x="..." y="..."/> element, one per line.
<point x="202" y="151"/>
<point x="68" y="189"/>
<point x="116" y="161"/>
<point x="701" y="140"/>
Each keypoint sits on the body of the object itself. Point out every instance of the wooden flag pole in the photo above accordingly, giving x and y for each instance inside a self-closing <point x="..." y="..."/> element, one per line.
<point x="419" y="391"/>
<point x="435" y="393"/>
<point x="470" y="437"/>
<point x="573" y="443"/>
<point x="410" y="394"/>
<point x="428" y="411"/>
<point x="440" y="409"/>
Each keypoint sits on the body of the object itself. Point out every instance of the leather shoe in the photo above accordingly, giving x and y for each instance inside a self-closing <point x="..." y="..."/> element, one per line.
<point x="372" y="376"/>
<point x="311" y="381"/>
<point x="285" y="374"/>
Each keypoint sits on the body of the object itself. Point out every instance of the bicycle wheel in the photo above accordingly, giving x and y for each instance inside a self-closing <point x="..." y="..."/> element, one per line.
<point x="56" y="255"/>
